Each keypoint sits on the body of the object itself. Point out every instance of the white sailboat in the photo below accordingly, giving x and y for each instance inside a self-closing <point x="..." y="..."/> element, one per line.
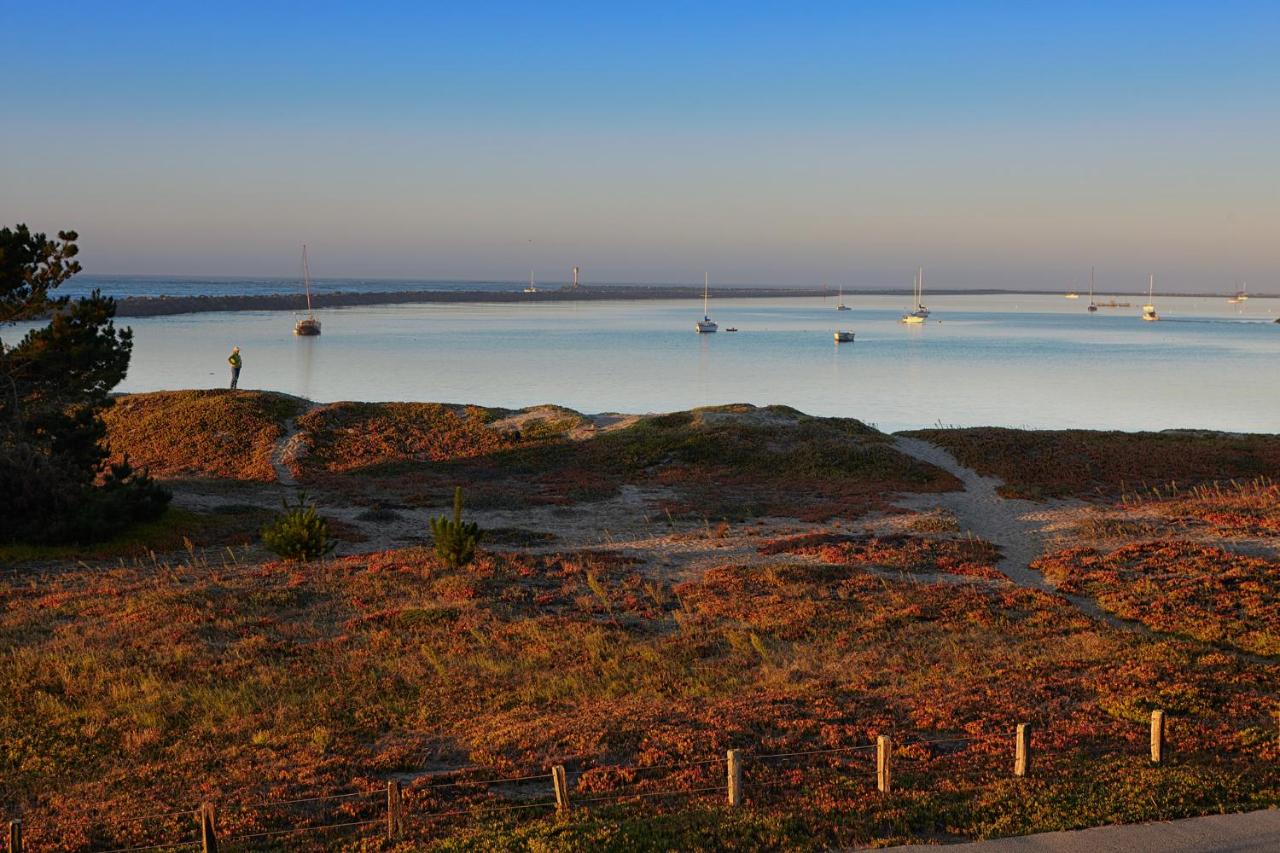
<point x="705" y="325"/>
<point x="531" y="288"/>
<point x="1242" y="295"/>
<point x="840" y="306"/>
<point x="308" y="326"/>
<point x="918" y="315"/>
<point x="1149" y="310"/>
<point x="1093" y="306"/>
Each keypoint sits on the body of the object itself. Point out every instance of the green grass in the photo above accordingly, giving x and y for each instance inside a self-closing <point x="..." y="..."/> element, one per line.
<point x="171" y="532"/>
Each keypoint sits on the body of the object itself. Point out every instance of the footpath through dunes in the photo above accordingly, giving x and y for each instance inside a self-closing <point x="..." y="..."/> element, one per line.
<point x="1200" y="561"/>
<point x="1012" y="525"/>
<point x="1007" y="523"/>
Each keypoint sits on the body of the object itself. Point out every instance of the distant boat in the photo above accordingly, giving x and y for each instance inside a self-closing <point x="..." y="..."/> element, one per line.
<point x="705" y="325"/>
<point x="840" y="306"/>
<point x="1242" y="295"/>
<point x="1072" y="295"/>
<point x="919" y="314"/>
<point x="308" y="326"/>
<point x="732" y="329"/>
<point x="844" y="337"/>
<point x="531" y="288"/>
<point x="1149" y="310"/>
<point x="1093" y="306"/>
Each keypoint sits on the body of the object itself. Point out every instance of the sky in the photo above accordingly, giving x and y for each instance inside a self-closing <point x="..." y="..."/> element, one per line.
<point x="1003" y="144"/>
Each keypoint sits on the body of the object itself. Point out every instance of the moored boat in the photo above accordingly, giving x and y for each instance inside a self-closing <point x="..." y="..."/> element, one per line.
<point x="919" y="313"/>
<point x="308" y="326"/>
<point x="843" y="337"/>
<point x="1149" y="310"/>
<point x="706" y="325"/>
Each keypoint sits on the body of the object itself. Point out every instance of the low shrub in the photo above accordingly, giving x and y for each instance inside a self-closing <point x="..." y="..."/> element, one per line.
<point x="299" y="533"/>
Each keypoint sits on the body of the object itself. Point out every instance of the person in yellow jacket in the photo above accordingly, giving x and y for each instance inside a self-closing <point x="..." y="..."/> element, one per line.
<point x="235" y="362"/>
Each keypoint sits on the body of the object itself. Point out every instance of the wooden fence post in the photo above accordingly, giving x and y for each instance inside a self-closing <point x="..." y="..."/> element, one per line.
<point x="15" y="836"/>
<point x="1022" y="750"/>
<point x="734" y="763"/>
<point x="1157" y="737"/>
<point x="561" y="783"/>
<point x="394" y="820"/>
<point x="208" y="829"/>
<point x="884" y="777"/>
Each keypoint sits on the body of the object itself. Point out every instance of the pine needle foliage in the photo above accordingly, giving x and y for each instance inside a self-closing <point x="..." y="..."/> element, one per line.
<point x="299" y="533"/>
<point x="455" y="539"/>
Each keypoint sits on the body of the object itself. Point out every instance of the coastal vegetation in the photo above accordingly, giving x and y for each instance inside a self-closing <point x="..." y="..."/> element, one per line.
<point x="58" y="483"/>
<point x="207" y="433"/>
<point x="1085" y="463"/>
<point x="298" y="533"/>
<point x="649" y="593"/>
<point x="455" y="540"/>
<point x="141" y="691"/>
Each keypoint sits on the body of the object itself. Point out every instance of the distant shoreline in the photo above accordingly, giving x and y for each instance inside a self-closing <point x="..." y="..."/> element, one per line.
<point x="158" y="306"/>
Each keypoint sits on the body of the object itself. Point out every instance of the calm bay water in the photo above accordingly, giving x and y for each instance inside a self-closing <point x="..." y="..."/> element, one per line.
<point x="1023" y="361"/>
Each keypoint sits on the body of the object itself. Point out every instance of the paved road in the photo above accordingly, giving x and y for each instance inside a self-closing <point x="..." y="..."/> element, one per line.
<point x="1252" y="832"/>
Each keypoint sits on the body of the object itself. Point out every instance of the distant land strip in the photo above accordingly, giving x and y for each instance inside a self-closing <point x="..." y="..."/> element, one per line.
<point x="152" y="306"/>
<point x="156" y="306"/>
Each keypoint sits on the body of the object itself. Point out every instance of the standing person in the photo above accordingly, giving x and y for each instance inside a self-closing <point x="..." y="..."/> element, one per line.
<point x="235" y="362"/>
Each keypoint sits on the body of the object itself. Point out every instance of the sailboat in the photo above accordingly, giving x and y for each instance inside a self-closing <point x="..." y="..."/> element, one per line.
<point x="1093" y="306"/>
<point x="1242" y="295"/>
<point x="1149" y="310"/>
<point x="531" y="288"/>
<point x="308" y="326"/>
<point x="840" y="306"/>
<point x="918" y="315"/>
<point x="705" y="325"/>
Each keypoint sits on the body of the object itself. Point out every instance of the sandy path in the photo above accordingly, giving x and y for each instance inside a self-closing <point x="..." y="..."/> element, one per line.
<point x="1016" y="527"/>
<point x="288" y="447"/>
<point x="1011" y="525"/>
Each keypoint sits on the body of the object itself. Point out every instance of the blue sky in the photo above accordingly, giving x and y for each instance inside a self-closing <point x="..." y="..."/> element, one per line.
<point x="1010" y="143"/>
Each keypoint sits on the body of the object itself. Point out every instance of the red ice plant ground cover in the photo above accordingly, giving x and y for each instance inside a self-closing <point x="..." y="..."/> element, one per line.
<point x="135" y="691"/>
<point x="1249" y="508"/>
<point x="1084" y="463"/>
<point x="1185" y="588"/>
<point x="896" y="553"/>
<point x="199" y="433"/>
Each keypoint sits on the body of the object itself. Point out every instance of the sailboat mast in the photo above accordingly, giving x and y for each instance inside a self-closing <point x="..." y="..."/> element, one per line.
<point x="1090" y="285"/>
<point x="306" y="279"/>
<point x="706" y="291"/>
<point x="1151" y="286"/>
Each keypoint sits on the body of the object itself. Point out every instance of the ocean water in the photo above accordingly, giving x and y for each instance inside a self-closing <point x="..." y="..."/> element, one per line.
<point x="1010" y="360"/>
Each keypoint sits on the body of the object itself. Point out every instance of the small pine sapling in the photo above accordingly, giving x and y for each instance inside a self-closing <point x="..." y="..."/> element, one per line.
<point x="455" y="539"/>
<point x="299" y="533"/>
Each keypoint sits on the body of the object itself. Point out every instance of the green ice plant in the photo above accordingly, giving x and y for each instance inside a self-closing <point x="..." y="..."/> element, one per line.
<point x="455" y="539"/>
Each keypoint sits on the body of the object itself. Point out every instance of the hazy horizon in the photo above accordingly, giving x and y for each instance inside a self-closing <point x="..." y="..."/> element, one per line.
<point x="997" y="145"/>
